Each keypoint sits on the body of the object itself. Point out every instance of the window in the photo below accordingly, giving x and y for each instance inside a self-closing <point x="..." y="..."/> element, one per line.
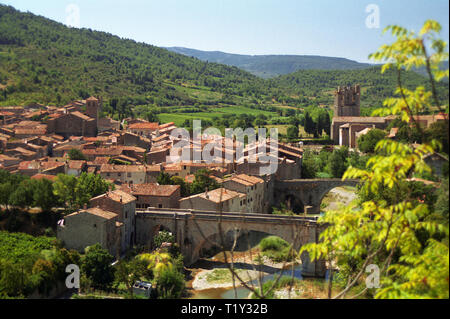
<point x="159" y="205"/>
<point x="126" y="214"/>
<point x="128" y="174"/>
<point x="120" y="174"/>
<point x="107" y="174"/>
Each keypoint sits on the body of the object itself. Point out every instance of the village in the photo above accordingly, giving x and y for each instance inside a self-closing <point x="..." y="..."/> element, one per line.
<point x="160" y="176"/>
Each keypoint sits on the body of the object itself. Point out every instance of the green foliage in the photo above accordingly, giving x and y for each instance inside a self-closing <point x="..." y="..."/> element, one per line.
<point x="329" y="164"/>
<point x="28" y="263"/>
<point x="75" y="192"/>
<point x="367" y="142"/>
<point x="202" y="182"/>
<point x="170" y="284"/>
<point x="270" y="287"/>
<point x="163" y="237"/>
<point x="96" y="265"/>
<point x="76" y="154"/>
<point x="394" y="225"/>
<point x="273" y="243"/>
<point x="276" y="249"/>
<point x="292" y="132"/>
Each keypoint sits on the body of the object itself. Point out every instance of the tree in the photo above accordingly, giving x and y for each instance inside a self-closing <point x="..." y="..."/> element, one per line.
<point x="367" y="142"/>
<point x="170" y="284"/>
<point x="23" y="195"/>
<point x="128" y="272"/>
<point x="202" y="182"/>
<point x="389" y="226"/>
<point x="76" y="154"/>
<point x="163" y="237"/>
<point x="88" y="186"/>
<point x="310" y="126"/>
<point x="64" y="188"/>
<point x="43" y="194"/>
<point x="96" y="264"/>
<point x="164" y="179"/>
<point x="338" y="162"/>
<point x="184" y="186"/>
<point x="292" y="132"/>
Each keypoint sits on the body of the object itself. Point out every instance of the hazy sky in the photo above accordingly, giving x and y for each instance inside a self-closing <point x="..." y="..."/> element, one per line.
<point x="313" y="27"/>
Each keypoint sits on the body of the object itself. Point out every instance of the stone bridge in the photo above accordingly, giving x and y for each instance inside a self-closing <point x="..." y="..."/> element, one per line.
<point x="307" y="193"/>
<point x="198" y="230"/>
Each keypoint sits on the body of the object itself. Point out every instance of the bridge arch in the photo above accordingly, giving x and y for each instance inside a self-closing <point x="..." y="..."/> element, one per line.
<point x="308" y="191"/>
<point x="193" y="228"/>
<point x="297" y="234"/>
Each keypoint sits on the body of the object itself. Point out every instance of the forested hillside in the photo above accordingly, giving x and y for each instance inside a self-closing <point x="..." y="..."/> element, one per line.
<point x="268" y="66"/>
<point x="42" y="61"/>
<point x="45" y="61"/>
<point x="375" y="87"/>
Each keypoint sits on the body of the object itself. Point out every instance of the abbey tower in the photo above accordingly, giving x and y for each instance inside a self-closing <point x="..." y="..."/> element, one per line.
<point x="347" y="101"/>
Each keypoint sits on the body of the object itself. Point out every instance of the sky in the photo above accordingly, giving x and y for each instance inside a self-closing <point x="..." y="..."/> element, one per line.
<point x="348" y="28"/>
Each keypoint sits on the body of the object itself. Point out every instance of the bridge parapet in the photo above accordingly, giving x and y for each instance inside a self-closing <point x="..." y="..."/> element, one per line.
<point x="195" y="229"/>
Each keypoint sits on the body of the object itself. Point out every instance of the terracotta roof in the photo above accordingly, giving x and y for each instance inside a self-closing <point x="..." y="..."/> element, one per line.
<point x="101" y="160"/>
<point x="4" y="157"/>
<point x="46" y="176"/>
<point x="97" y="212"/>
<point x="76" y="164"/>
<point x="144" y="126"/>
<point x="359" y="119"/>
<point x="217" y="195"/>
<point x="122" y="168"/>
<point x="82" y="116"/>
<point x="103" y="151"/>
<point x="246" y="180"/>
<point x="30" y="131"/>
<point x="118" y="196"/>
<point x="166" y="125"/>
<point x="92" y="98"/>
<point x="150" y="189"/>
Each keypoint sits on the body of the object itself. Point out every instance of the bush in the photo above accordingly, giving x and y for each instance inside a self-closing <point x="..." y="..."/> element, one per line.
<point x="170" y="284"/>
<point x="367" y="142"/>
<point x="273" y="243"/>
<point x="97" y="267"/>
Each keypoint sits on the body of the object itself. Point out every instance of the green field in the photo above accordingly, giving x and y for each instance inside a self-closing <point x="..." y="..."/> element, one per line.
<point x="179" y="118"/>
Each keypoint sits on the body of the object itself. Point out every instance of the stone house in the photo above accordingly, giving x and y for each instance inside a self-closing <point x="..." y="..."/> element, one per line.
<point x="75" y="168"/>
<point x="251" y="186"/>
<point x="216" y="200"/>
<point x="72" y="124"/>
<point x="154" y="195"/>
<point x="144" y="128"/>
<point x="135" y="174"/>
<point x="124" y="205"/>
<point x="88" y="227"/>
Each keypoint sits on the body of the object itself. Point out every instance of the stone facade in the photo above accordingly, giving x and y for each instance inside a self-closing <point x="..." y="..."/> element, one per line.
<point x="154" y="195"/>
<point x="124" y="205"/>
<point x="252" y="186"/>
<point x="216" y="200"/>
<point x="135" y="174"/>
<point x="88" y="227"/>
<point x="347" y="101"/>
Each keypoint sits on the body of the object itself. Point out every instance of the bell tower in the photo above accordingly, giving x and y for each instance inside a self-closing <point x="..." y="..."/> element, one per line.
<point x="347" y="101"/>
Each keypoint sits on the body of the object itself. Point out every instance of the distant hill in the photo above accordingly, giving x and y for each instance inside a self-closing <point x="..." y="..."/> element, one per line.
<point x="268" y="66"/>
<point x="47" y="62"/>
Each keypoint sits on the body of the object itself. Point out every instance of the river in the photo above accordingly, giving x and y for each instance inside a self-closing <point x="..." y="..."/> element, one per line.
<point x="337" y="196"/>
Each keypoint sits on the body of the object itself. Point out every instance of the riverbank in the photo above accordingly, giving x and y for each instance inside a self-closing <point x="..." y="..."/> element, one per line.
<point x="213" y="273"/>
